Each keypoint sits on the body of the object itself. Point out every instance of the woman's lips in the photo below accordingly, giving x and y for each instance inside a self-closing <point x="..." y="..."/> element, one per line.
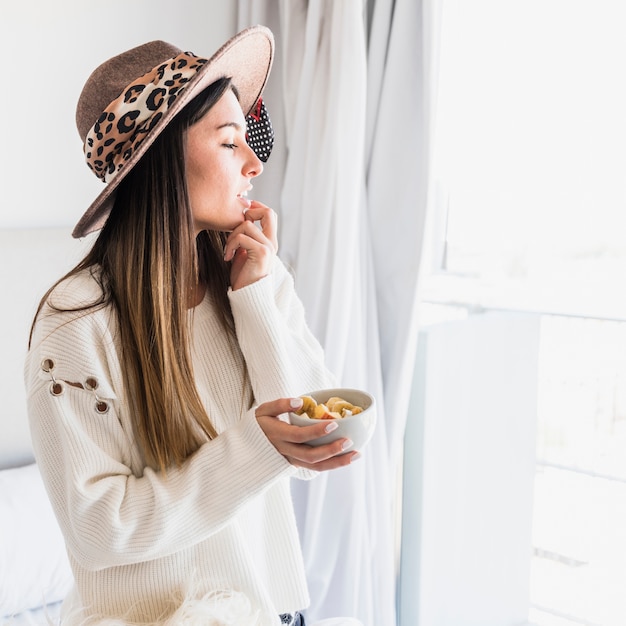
<point x="245" y="201"/>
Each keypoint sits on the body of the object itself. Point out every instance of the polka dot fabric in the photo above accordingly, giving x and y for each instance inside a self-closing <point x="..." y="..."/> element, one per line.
<point x="260" y="134"/>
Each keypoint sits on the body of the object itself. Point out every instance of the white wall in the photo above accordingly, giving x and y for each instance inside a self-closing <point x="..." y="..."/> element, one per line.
<point x="49" y="48"/>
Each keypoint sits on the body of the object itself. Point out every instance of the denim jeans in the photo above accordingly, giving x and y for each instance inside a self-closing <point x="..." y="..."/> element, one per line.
<point x="297" y="619"/>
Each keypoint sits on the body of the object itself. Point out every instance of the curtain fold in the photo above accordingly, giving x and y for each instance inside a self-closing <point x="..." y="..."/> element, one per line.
<point x="401" y="98"/>
<point x="343" y="516"/>
<point x="350" y="187"/>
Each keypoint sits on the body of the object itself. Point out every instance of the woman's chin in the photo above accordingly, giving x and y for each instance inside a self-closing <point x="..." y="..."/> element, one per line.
<point x="222" y="226"/>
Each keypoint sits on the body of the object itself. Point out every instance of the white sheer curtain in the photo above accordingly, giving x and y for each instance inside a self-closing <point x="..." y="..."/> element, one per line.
<point x="349" y="180"/>
<point x="401" y="95"/>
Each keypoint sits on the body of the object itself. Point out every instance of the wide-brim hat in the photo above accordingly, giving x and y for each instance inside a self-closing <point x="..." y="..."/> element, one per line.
<point x="129" y="99"/>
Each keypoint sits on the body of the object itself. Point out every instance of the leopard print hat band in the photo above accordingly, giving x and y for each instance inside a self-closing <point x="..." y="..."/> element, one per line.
<point x="128" y="101"/>
<point x="122" y="126"/>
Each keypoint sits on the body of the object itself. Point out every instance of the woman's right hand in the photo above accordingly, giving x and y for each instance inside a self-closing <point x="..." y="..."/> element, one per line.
<point x="250" y="248"/>
<point x="291" y="441"/>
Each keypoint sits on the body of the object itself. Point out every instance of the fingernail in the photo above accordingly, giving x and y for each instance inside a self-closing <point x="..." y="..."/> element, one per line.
<point x="331" y="426"/>
<point x="295" y="403"/>
<point x="348" y="443"/>
<point x="355" y="456"/>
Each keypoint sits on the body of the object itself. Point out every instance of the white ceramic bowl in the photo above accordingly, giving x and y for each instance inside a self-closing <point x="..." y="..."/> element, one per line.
<point x="359" y="427"/>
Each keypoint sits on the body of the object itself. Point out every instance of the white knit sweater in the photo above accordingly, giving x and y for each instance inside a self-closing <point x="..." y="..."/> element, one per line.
<point x="144" y="545"/>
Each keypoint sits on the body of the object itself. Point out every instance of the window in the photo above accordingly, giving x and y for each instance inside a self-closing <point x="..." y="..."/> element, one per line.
<point x="578" y="572"/>
<point x="530" y="214"/>
<point x="530" y="152"/>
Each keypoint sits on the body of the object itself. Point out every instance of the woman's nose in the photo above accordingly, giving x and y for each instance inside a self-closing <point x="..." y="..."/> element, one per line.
<point x="253" y="167"/>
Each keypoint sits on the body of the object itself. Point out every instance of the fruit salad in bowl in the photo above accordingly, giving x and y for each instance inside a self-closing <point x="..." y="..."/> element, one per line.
<point x="353" y="410"/>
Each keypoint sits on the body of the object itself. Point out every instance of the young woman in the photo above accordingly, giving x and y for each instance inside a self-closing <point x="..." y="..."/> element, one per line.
<point x="159" y="367"/>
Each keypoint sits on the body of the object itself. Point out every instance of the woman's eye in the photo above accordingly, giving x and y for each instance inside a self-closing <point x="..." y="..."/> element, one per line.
<point x="230" y="145"/>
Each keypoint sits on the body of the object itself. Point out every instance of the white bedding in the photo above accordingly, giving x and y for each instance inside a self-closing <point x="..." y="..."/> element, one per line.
<point x="44" y="616"/>
<point x="34" y="569"/>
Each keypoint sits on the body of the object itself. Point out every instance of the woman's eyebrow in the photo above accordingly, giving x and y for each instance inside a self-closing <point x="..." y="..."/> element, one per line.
<point x="234" y="125"/>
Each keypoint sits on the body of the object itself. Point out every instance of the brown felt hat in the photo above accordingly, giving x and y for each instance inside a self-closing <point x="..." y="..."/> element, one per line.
<point x="129" y="99"/>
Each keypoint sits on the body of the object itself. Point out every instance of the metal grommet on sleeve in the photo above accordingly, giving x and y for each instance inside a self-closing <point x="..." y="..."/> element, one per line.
<point x="91" y="384"/>
<point x="47" y="365"/>
<point x="56" y="388"/>
<point x="102" y="406"/>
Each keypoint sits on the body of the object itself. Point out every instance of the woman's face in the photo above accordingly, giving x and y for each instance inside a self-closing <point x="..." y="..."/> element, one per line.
<point x="220" y="165"/>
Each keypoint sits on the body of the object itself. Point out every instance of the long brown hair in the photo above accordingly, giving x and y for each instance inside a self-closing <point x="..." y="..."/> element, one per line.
<point x="149" y="264"/>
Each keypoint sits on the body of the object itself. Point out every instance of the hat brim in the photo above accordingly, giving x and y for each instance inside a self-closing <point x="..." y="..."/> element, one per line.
<point x="246" y="59"/>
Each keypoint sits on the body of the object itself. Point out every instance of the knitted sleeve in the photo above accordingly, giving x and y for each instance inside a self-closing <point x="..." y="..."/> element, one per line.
<point x="283" y="357"/>
<point x="111" y="510"/>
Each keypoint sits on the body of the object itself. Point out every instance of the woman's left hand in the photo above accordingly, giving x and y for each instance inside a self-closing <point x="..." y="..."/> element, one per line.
<point x="293" y="441"/>
<point x="250" y="248"/>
